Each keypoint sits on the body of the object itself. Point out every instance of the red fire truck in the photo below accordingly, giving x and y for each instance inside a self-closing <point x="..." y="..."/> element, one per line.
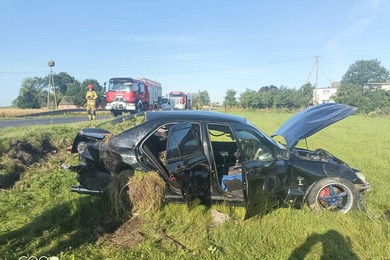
<point x="180" y="100"/>
<point x="132" y="95"/>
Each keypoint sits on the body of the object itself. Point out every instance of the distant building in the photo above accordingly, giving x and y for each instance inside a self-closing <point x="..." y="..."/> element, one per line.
<point x="325" y="95"/>
<point x="378" y="85"/>
<point x="66" y="104"/>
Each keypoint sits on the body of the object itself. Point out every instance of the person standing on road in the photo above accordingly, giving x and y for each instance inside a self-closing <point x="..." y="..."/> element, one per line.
<point x="91" y="102"/>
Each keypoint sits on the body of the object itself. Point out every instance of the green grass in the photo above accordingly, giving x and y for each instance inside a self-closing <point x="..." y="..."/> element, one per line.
<point x="40" y="216"/>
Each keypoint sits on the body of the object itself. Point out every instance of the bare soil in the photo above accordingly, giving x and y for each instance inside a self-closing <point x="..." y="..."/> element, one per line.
<point x="24" y="154"/>
<point x="128" y="235"/>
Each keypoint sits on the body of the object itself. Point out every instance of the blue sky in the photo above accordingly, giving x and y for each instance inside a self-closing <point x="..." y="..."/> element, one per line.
<point x="190" y="45"/>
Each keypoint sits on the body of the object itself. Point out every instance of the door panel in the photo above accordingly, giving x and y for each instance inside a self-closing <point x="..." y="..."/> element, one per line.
<point x="260" y="168"/>
<point x="188" y="164"/>
<point x="262" y="185"/>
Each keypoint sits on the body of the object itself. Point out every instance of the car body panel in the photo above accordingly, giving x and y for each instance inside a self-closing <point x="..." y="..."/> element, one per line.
<point x="312" y="120"/>
<point x="188" y="164"/>
<point x="207" y="157"/>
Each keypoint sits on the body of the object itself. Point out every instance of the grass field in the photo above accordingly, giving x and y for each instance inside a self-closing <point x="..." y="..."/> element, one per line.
<point x="39" y="216"/>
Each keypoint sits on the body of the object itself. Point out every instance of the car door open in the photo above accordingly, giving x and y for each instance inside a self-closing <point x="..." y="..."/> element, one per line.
<point x="260" y="168"/>
<point x="188" y="164"/>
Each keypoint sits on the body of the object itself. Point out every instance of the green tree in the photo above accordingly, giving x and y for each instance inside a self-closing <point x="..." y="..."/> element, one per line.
<point x="32" y="93"/>
<point x="350" y="94"/>
<point x="200" y="99"/>
<point x="266" y="96"/>
<point x="61" y="81"/>
<point x="76" y="94"/>
<point x="286" y="98"/>
<point x="352" y="91"/>
<point x="230" y="98"/>
<point x="305" y="95"/>
<point x="367" y="100"/>
<point x="378" y="99"/>
<point x="364" y="71"/>
<point x="249" y="99"/>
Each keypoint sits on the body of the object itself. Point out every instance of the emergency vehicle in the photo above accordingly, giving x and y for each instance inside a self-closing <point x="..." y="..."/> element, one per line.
<point x="180" y="100"/>
<point x="132" y="95"/>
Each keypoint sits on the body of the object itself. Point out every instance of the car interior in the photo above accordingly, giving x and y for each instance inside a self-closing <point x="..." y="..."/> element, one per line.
<point x="227" y="158"/>
<point x="224" y="148"/>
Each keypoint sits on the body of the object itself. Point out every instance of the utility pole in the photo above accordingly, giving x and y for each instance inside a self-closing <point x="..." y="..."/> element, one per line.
<point x="315" y="66"/>
<point x="51" y="64"/>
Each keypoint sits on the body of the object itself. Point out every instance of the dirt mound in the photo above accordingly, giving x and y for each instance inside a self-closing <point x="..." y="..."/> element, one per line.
<point x="22" y="154"/>
<point x="128" y="235"/>
<point x="28" y="154"/>
<point x="139" y="195"/>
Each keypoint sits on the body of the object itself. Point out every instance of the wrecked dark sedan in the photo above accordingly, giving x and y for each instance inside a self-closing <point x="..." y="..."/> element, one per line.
<point x="207" y="157"/>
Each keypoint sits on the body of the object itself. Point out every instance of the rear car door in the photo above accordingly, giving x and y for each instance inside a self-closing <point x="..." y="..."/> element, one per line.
<point x="188" y="164"/>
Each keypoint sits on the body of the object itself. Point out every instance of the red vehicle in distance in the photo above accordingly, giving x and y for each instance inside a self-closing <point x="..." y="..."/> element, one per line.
<point x="180" y="100"/>
<point x="132" y="95"/>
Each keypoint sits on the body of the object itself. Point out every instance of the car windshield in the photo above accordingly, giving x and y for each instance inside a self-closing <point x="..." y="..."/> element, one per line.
<point x="164" y="100"/>
<point x="281" y="146"/>
<point x="120" y="85"/>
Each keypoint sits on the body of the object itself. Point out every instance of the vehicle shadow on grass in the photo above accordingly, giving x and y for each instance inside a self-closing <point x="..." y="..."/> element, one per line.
<point x="334" y="244"/>
<point x="64" y="227"/>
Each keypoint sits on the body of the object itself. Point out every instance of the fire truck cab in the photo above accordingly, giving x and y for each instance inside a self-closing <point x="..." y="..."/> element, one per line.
<point x="180" y="100"/>
<point x="132" y="95"/>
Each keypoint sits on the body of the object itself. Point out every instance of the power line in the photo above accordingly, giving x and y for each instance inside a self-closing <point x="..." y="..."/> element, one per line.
<point x="230" y="68"/>
<point x="315" y="67"/>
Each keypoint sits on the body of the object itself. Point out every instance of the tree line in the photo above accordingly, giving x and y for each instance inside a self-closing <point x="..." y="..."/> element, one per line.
<point x="352" y="91"/>
<point x="35" y="91"/>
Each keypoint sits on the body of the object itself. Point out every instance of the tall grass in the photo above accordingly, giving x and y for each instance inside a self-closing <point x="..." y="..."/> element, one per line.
<point x="40" y="216"/>
<point x="13" y="112"/>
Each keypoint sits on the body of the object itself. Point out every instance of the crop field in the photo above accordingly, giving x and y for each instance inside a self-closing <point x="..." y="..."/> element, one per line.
<point x="39" y="216"/>
<point x="12" y="112"/>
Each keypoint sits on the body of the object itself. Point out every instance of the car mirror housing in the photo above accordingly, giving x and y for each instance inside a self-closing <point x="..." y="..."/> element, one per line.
<point x="284" y="154"/>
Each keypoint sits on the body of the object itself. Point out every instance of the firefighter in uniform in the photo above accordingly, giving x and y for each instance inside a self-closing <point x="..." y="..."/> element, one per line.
<point x="91" y="102"/>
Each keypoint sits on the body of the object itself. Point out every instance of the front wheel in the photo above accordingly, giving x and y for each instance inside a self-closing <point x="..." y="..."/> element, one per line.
<point x="116" y="113"/>
<point x="335" y="194"/>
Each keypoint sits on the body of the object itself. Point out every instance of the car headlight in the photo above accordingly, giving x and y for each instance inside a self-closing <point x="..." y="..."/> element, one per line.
<point x="361" y="177"/>
<point x="81" y="147"/>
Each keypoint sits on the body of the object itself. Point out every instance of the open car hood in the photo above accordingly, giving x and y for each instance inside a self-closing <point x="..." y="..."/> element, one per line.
<point x="311" y="120"/>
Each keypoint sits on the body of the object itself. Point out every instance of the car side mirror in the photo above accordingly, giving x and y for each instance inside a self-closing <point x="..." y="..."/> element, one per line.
<point x="284" y="154"/>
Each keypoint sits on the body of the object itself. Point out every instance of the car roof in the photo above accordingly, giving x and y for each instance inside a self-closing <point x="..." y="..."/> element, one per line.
<point x="193" y="115"/>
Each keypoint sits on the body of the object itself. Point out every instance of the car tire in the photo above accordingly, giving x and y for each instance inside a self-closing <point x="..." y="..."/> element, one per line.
<point x="125" y="201"/>
<point x="120" y="199"/>
<point x="116" y="113"/>
<point x="335" y="194"/>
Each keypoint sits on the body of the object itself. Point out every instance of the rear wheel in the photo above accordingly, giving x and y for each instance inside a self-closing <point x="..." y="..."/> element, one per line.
<point x="335" y="194"/>
<point x="119" y="195"/>
<point x="125" y="201"/>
